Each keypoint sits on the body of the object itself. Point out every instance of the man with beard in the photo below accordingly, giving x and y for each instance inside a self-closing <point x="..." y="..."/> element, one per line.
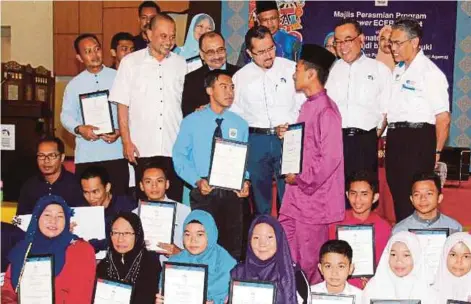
<point x="266" y="98"/>
<point x="91" y="149"/>
<point x="148" y="89"/>
<point x="213" y="53"/>
<point x="147" y="10"/>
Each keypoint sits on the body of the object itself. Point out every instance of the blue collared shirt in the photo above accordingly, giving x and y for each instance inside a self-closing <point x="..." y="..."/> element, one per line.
<point x="71" y="116"/>
<point x="415" y="222"/>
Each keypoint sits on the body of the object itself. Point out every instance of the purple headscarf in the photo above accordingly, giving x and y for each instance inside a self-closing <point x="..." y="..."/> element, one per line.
<point x="278" y="269"/>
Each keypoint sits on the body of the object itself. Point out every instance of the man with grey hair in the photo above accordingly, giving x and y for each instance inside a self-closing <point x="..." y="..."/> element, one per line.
<point x="418" y="114"/>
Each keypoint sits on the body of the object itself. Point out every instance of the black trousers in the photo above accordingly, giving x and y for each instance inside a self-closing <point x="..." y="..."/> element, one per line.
<point x="118" y="172"/>
<point x="231" y="215"/>
<point x="408" y="151"/>
<point x="175" y="191"/>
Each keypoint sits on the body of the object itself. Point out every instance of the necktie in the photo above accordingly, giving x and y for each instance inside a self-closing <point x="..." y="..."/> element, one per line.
<point x="218" y="130"/>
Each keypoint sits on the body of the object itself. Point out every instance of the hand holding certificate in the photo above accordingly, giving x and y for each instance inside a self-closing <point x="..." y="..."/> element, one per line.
<point x="37" y="280"/>
<point x="158" y="222"/>
<point x="96" y="111"/>
<point x="324" y="298"/>
<point x="361" y="239"/>
<point x="184" y="283"/>
<point x="111" y="292"/>
<point x="292" y="153"/>
<point x="252" y="292"/>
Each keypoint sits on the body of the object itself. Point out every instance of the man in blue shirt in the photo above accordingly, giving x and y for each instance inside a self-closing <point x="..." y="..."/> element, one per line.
<point x="192" y="155"/>
<point x="104" y="150"/>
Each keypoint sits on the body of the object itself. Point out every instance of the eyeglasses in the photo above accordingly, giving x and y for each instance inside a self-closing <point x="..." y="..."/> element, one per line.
<point x="52" y="156"/>
<point x="219" y="51"/>
<point x="329" y="46"/>
<point x="264" y="52"/>
<point x="125" y="235"/>
<point x="346" y="42"/>
<point x="398" y="44"/>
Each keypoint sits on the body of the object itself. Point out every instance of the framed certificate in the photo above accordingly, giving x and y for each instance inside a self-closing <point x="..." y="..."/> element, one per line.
<point x="184" y="283"/>
<point x="324" y="298"/>
<point x="96" y="111"/>
<point x="432" y="242"/>
<point x="457" y="302"/>
<point x="252" y="292"/>
<point x="292" y="151"/>
<point x="112" y="292"/>
<point x="362" y="240"/>
<point x="228" y="164"/>
<point x="158" y="222"/>
<point x="37" y="280"/>
<point x="379" y="301"/>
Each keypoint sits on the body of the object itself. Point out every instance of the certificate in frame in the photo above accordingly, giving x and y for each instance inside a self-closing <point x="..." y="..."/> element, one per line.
<point x="186" y="269"/>
<point x="296" y="137"/>
<point x="127" y="290"/>
<point x="318" y="297"/>
<point x="25" y="284"/>
<point x="380" y="301"/>
<point x="148" y="225"/>
<point x="344" y="232"/>
<point x="456" y="302"/>
<point x="98" y="97"/>
<point x="243" y="286"/>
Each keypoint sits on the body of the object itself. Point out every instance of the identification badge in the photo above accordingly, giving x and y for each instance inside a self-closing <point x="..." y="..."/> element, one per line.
<point x="232" y="133"/>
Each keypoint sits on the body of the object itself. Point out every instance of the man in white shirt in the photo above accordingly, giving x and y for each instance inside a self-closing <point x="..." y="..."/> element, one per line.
<point x="418" y="114"/>
<point x="148" y="89"/>
<point x="361" y="88"/>
<point x="265" y="97"/>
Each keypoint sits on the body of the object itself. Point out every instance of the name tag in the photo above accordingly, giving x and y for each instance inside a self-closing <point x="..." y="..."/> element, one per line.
<point x="409" y="85"/>
<point x="232" y="133"/>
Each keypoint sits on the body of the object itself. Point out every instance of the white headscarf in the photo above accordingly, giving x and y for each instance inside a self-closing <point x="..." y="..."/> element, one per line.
<point x="446" y="285"/>
<point x="386" y="285"/>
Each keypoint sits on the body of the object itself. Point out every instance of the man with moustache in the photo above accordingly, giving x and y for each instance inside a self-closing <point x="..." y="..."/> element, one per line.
<point x="91" y="149"/>
<point x="146" y="11"/>
<point x="213" y="53"/>
<point x="122" y="44"/>
<point x="266" y="98"/>
<point x="148" y="89"/>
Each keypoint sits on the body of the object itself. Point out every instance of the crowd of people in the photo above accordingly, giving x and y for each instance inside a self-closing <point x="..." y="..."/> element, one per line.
<point x="170" y="103"/>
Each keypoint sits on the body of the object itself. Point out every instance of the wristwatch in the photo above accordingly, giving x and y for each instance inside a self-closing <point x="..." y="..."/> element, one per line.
<point x="438" y="152"/>
<point x="76" y="130"/>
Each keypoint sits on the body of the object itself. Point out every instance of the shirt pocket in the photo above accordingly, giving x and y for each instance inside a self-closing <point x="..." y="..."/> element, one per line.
<point x="368" y="94"/>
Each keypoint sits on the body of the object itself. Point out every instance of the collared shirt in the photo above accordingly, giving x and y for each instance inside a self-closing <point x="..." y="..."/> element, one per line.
<point x="267" y="98"/>
<point x="71" y="116"/>
<point x="419" y="92"/>
<point x="153" y="92"/>
<point x="192" y="150"/>
<point x="415" y="222"/>
<point x="349" y="290"/>
<point x="361" y="90"/>
<point x="36" y="187"/>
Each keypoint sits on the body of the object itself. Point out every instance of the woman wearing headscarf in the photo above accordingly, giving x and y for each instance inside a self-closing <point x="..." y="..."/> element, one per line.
<point x="329" y="43"/>
<point x="269" y="259"/>
<point x="453" y="279"/>
<point x="400" y="273"/>
<point x="204" y="249"/>
<point x="128" y="260"/>
<point x="74" y="259"/>
<point x="384" y="50"/>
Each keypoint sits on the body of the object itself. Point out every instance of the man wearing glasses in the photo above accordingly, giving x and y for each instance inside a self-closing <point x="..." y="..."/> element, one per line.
<point x="361" y="88"/>
<point x="418" y="114"/>
<point x="53" y="179"/>
<point x="266" y="98"/>
<point x="213" y="53"/>
<point x="147" y="10"/>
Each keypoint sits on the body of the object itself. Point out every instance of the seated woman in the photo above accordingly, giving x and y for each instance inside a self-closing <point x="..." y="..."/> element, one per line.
<point x="269" y="259"/>
<point x="128" y="260"/>
<point x="203" y="249"/>
<point x="74" y="259"/>
<point x="400" y="273"/>
<point x="453" y="280"/>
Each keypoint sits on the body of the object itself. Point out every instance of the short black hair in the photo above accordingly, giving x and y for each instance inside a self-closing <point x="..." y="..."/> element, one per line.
<point x="151" y="4"/>
<point x="160" y="16"/>
<point x="427" y="176"/>
<point x="96" y="171"/>
<point x="213" y="75"/>
<point x="211" y="34"/>
<point x="336" y="246"/>
<point x="363" y="176"/>
<point x="409" y="25"/>
<point x="351" y="21"/>
<point x="82" y="37"/>
<point x="153" y="165"/>
<point x="322" y="74"/>
<point x="119" y="37"/>
<point x="257" y="32"/>
<point x="52" y="139"/>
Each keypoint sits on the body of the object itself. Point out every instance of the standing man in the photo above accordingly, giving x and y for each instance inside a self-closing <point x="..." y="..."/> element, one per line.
<point x="418" y="114"/>
<point x="213" y="53"/>
<point x="192" y="156"/>
<point x="122" y="44"/>
<point x="265" y="97"/>
<point x="315" y="197"/>
<point x="287" y="45"/>
<point x="90" y="149"/>
<point x="147" y="10"/>
<point x="361" y="88"/>
<point x="148" y="89"/>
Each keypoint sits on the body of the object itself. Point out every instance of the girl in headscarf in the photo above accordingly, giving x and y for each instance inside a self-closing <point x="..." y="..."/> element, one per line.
<point x="128" y="260"/>
<point x="384" y="50"/>
<point x="329" y="43"/>
<point x="205" y="250"/>
<point x="74" y="259"/>
<point x="453" y="279"/>
<point x="269" y="259"/>
<point x="400" y="273"/>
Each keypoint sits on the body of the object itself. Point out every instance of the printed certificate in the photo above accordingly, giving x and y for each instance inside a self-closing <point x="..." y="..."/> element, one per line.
<point x="96" y="111"/>
<point x="379" y="301"/>
<point x="324" y="298"/>
<point x="37" y="280"/>
<point x="432" y="242"/>
<point x="252" y="292"/>
<point x="362" y="240"/>
<point x="112" y="292"/>
<point x="292" y="152"/>
<point x="184" y="283"/>
<point x="158" y="222"/>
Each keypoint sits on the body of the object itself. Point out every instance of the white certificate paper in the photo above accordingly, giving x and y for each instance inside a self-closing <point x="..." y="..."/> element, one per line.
<point x="185" y="283"/>
<point x="228" y="164"/>
<point x="379" y="301"/>
<point x="432" y="242"/>
<point x="111" y="292"/>
<point x="361" y="239"/>
<point x="245" y="292"/>
<point x="36" y="285"/>
<point x="292" y="153"/>
<point x="96" y="111"/>
<point x="323" y="298"/>
<point x="158" y="222"/>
